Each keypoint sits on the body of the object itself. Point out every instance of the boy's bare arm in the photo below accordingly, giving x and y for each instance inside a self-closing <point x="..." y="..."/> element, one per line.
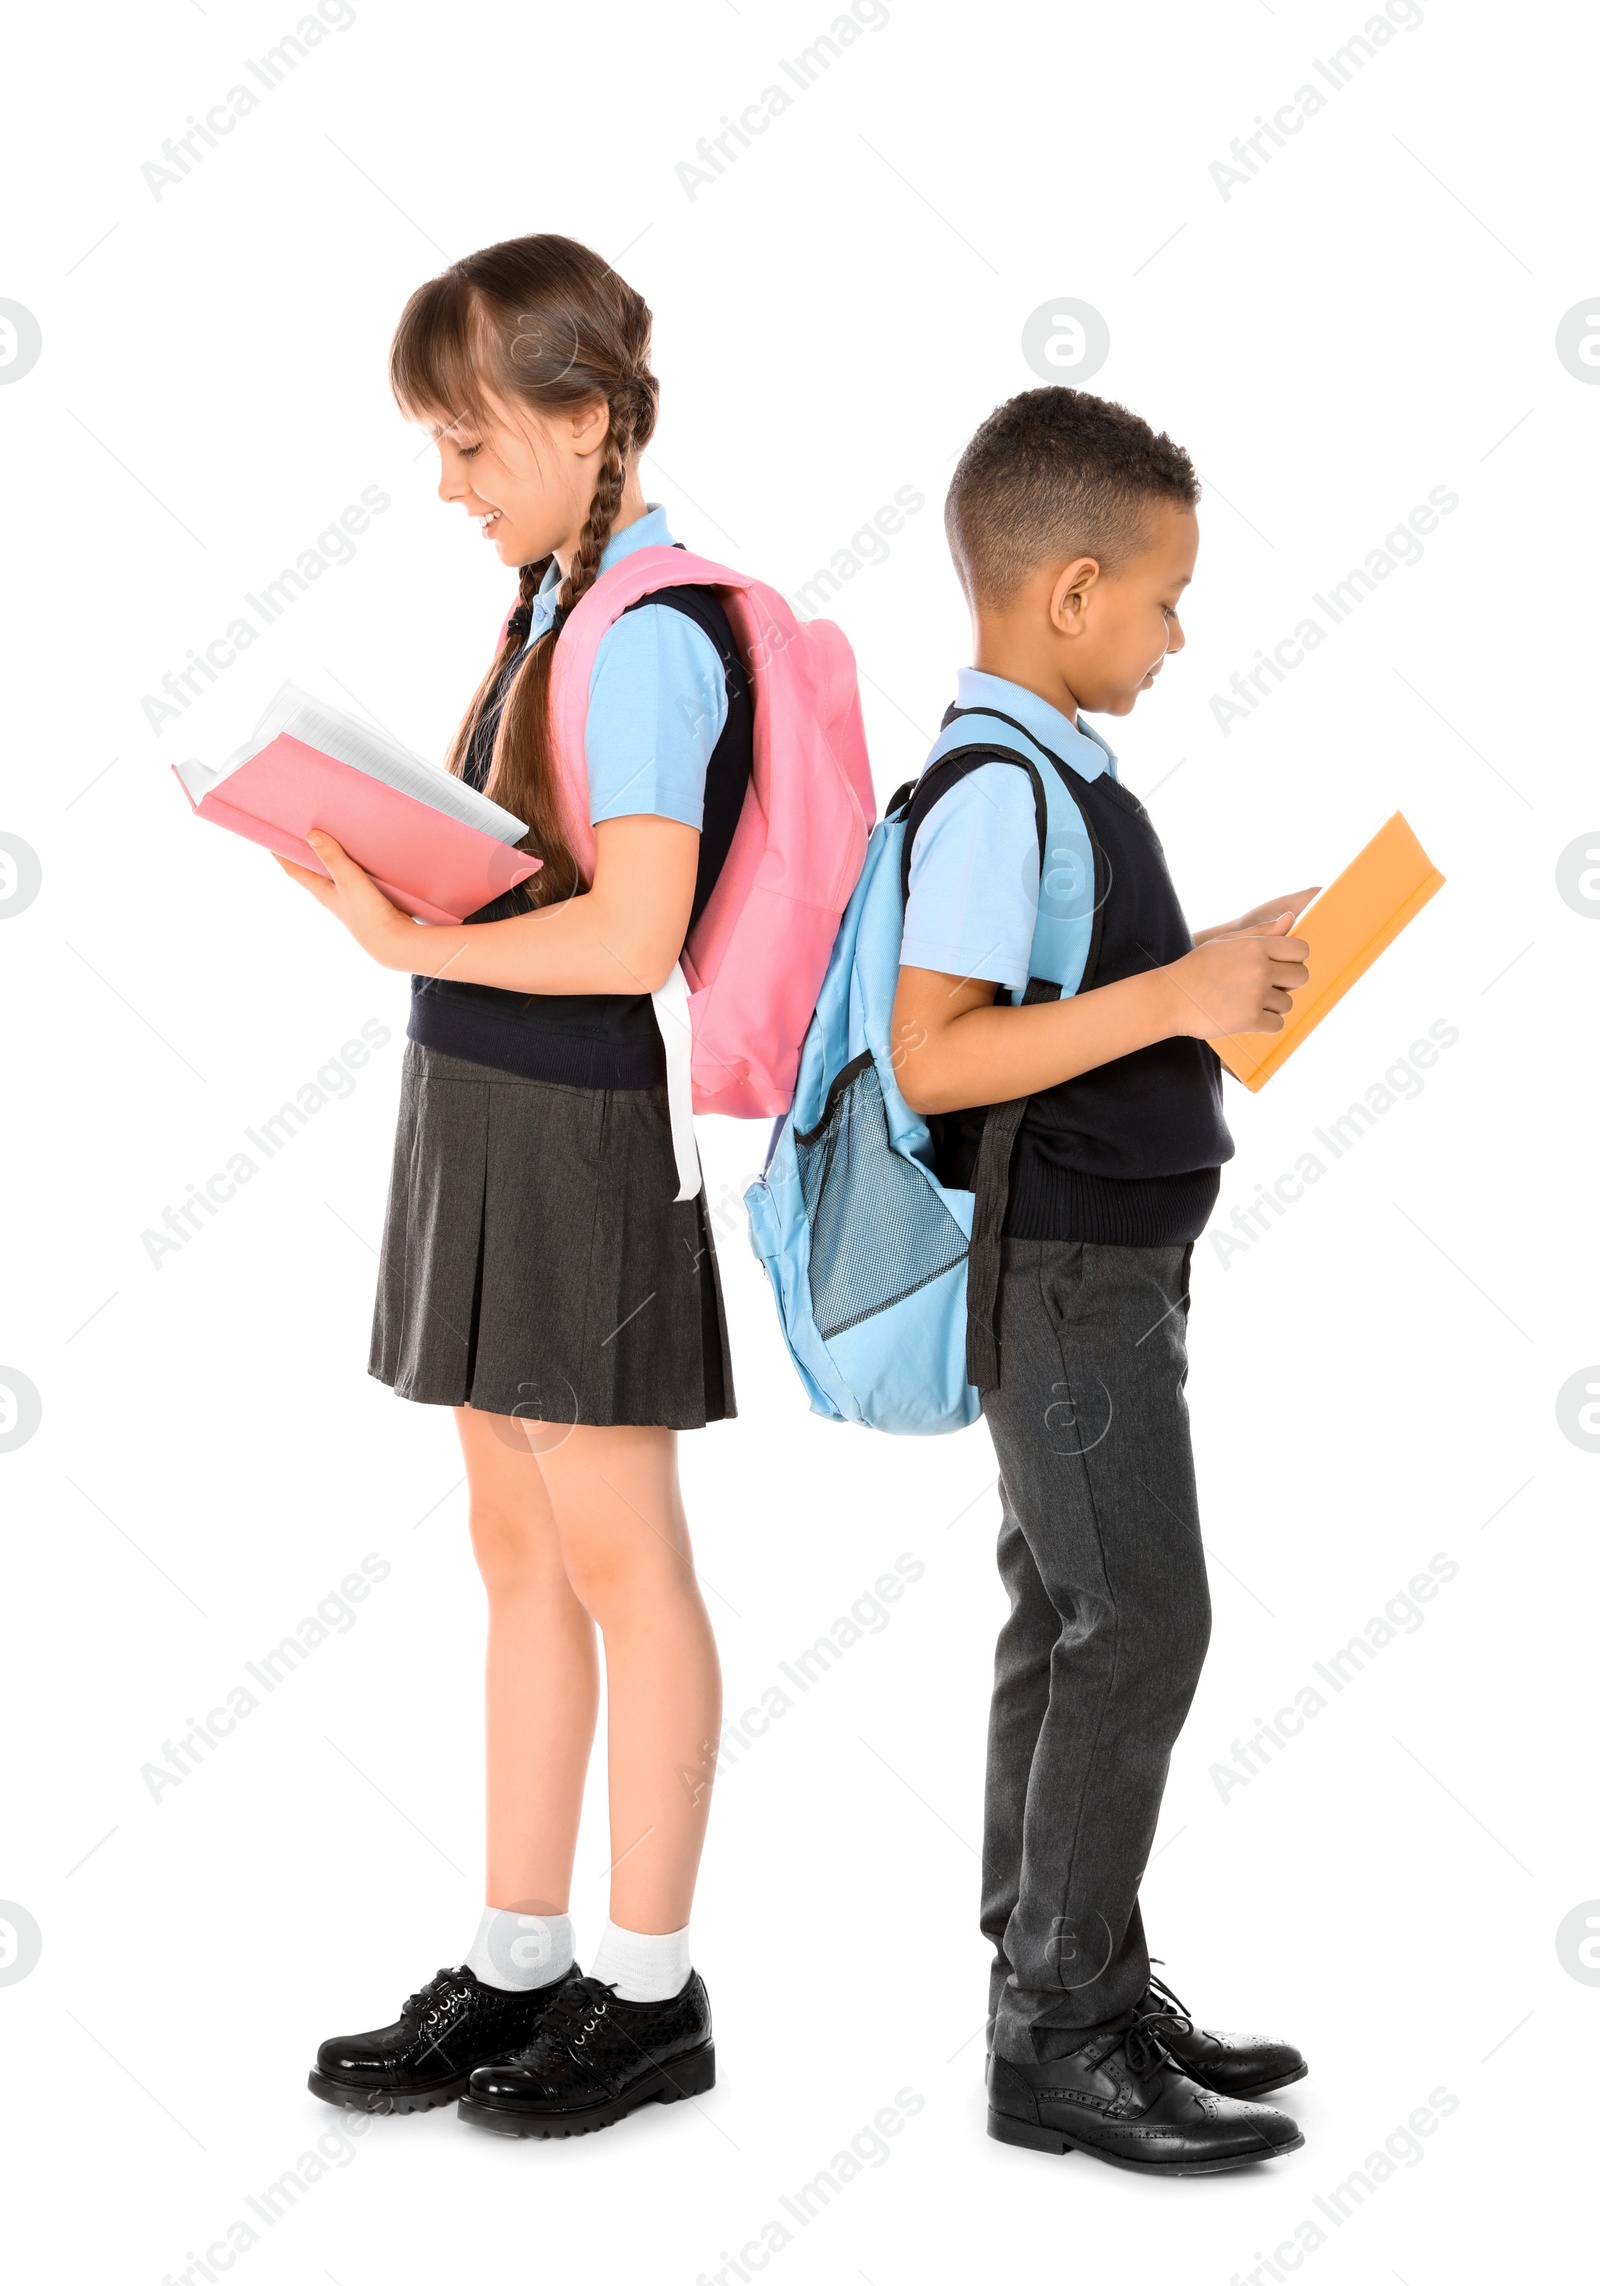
<point x="954" y="1048"/>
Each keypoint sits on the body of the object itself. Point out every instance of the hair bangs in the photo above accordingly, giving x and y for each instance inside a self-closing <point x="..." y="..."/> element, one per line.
<point x="442" y="359"/>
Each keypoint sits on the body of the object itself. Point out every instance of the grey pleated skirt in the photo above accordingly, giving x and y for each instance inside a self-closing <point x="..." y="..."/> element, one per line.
<point x="535" y="1259"/>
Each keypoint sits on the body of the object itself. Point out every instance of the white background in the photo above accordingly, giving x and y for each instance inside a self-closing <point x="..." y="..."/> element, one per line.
<point x="1371" y="315"/>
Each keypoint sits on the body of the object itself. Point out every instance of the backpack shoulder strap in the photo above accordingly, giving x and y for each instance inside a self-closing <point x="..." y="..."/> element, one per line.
<point x="1073" y="876"/>
<point x="729" y="763"/>
<point x="702" y="606"/>
<point x="945" y="772"/>
<point x="1073" y="880"/>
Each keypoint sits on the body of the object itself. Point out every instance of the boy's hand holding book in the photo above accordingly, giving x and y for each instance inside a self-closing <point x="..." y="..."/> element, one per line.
<point x="1242" y="980"/>
<point x="1342" y="932"/>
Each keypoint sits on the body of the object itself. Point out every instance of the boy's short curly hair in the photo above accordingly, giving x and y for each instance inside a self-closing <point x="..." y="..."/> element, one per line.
<point x="1052" y="474"/>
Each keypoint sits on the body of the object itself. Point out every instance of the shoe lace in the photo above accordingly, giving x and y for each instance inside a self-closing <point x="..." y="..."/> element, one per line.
<point x="439" y="1987"/>
<point x="1168" y="1995"/>
<point x="1146" y="2041"/>
<point x="576" y="2009"/>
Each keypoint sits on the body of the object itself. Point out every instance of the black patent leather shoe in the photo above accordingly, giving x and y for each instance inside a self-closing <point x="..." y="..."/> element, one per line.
<point x="1124" y="2098"/>
<point x="595" y="2058"/>
<point x="1230" y="2063"/>
<point x="444" y="2031"/>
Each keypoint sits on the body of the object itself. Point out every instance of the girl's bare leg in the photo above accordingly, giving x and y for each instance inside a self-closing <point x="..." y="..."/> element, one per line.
<point x="618" y="1517"/>
<point x="542" y="1680"/>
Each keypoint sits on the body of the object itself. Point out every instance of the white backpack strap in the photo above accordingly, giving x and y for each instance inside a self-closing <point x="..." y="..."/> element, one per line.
<point x="671" y="1004"/>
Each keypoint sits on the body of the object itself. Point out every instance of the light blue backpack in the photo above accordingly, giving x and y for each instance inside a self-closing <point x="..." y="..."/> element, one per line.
<point x="885" y="1281"/>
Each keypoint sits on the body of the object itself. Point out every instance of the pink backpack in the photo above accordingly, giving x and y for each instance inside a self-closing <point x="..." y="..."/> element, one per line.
<point x="755" y="959"/>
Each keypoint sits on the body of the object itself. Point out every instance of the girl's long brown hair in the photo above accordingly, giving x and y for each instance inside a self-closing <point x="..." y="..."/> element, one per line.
<point x="546" y="321"/>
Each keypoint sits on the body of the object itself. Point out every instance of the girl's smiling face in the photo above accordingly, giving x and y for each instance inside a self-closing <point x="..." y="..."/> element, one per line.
<point x="526" y="479"/>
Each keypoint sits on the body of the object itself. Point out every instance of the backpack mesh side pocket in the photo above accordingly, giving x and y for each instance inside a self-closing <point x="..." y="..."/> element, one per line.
<point x="879" y="1229"/>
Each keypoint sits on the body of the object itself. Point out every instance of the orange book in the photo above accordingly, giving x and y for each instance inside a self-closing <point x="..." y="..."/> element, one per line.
<point x="1347" y="927"/>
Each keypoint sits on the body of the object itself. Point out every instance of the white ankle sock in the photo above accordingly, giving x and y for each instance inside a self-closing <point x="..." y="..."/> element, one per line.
<point x="641" y="1967"/>
<point x="520" y="1951"/>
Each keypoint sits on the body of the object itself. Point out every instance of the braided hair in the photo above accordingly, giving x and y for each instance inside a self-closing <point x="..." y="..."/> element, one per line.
<point x="546" y="321"/>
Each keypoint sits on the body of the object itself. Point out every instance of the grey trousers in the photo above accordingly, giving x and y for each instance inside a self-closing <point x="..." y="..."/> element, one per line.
<point x="1101" y="1556"/>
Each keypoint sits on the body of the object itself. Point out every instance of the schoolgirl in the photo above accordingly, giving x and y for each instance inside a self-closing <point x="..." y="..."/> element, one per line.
<point x="540" y="1274"/>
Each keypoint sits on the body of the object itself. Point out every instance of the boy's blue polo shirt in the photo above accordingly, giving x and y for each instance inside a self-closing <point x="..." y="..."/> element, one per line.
<point x="973" y="899"/>
<point x="1128" y="1153"/>
<point x="657" y="703"/>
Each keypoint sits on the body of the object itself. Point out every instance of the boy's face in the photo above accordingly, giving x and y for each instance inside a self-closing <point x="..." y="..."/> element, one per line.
<point x="1115" y="629"/>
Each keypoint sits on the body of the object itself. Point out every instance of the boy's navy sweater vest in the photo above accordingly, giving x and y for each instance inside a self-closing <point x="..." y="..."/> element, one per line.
<point x="589" y="1039"/>
<point x="1129" y="1154"/>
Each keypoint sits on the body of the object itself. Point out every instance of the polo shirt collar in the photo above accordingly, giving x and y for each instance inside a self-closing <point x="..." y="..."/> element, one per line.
<point x="1084" y="749"/>
<point x="647" y="531"/>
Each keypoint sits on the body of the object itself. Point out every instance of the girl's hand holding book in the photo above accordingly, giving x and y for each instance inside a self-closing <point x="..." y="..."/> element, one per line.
<point x="354" y="898"/>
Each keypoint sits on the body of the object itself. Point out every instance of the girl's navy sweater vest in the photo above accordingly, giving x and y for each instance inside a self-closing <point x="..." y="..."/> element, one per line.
<point x="589" y="1039"/>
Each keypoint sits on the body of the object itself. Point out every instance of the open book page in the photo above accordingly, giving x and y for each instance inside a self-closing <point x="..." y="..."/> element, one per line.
<point x="293" y="714"/>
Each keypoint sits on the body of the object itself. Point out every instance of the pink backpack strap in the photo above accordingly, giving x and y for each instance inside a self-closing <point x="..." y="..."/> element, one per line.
<point x="756" y="958"/>
<point x="643" y="573"/>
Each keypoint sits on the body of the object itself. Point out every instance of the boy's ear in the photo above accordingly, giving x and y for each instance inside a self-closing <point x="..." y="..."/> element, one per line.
<point x="1070" y="592"/>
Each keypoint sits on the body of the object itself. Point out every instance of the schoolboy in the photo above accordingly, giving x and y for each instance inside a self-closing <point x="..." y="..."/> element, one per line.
<point x="1074" y="533"/>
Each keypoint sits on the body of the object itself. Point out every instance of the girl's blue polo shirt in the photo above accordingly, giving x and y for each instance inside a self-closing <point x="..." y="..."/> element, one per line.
<point x="657" y="704"/>
<point x="658" y="707"/>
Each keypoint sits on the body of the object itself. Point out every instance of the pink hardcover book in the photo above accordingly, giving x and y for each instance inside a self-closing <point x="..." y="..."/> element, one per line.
<point x="436" y="848"/>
